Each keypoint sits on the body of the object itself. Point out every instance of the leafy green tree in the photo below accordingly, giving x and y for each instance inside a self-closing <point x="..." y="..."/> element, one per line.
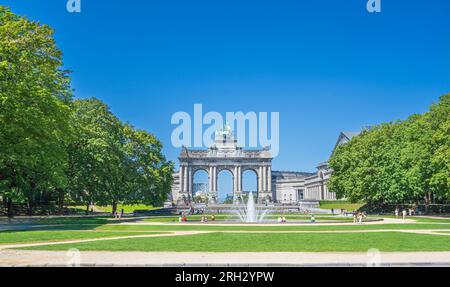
<point x="152" y="174"/>
<point x="402" y="162"/>
<point x="95" y="155"/>
<point x="34" y="104"/>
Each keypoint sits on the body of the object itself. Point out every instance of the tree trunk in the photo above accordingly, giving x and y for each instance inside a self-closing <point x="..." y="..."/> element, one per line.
<point x="61" y="201"/>
<point x="114" y="208"/>
<point x="427" y="202"/>
<point x="87" y="208"/>
<point x="9" y="205"/>
<point x="30" y="208"/>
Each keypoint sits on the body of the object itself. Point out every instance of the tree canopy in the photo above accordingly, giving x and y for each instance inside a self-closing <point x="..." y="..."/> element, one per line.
<point x="55" y="147"/>
<point x="401" y="162"/>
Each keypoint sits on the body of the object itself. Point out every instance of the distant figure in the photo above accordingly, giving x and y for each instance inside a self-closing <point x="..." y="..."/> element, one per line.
<point x="404" y="214"/>
<point x="360" y="218"/>
<point x="122" y="212"/>
<point x="355" y="217"/>
<point x="213" y="218"/>
<point x="332" y="211"/>
<point x="397" y="212"/>
<point x="280" y="220"/>
<point x="284" y="219"/>
<point x="180" y="219"/>
<point x="313" y="218"/>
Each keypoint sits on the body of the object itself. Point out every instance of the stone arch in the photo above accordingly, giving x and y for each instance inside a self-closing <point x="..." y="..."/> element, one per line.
<point x="225" y="184"/>
<point x="250" y="174"/>
<point x="200" y="184"/>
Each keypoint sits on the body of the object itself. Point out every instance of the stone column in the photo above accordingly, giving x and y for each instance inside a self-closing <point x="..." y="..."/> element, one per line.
<point x="181" y="175"/>
<point x="215" y="182"/>
<point x="260" y="178"/>
<point x="264" y="188"/>
<point x="185" y="178"/>
<point x="190" y="184"/>
<point x="235" y="181"/>
<point x="269" y="182"/>
<point x="181" y="185"/>
<point x="239" y="179"/>
<point x="211" y="185"/>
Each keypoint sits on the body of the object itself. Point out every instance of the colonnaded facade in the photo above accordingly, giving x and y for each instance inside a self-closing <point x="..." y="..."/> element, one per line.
<point x="283" y="187"/>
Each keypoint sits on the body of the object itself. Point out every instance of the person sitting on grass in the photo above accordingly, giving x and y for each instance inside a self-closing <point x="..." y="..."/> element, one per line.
<point x="313" y="218"/>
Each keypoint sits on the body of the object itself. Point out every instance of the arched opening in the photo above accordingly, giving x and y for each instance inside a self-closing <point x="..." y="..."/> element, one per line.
<point x="249" y="183"/>
<point x="225" y="187"/>
<point x="200" y="187"/>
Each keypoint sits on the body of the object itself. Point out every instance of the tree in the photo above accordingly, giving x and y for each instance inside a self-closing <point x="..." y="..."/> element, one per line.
<point x="95" y="155"/>
<point x="34" y="104"/>
<point x="401" y="162"/>
<point x="151" y="175"/>
<point x="112" y="163"/>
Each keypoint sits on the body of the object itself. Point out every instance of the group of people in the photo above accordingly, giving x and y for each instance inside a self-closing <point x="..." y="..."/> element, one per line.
<point x="204" y="219"/>
<point x="182" y="218"/>
<point x="405" y="213"/>
<point x="358" y="217"/>
<point x="282" y="219"/>
<point x="119" y="215"/>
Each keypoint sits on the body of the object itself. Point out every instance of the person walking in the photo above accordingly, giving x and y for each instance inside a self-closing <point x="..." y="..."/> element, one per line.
<point x="404" y="215"/>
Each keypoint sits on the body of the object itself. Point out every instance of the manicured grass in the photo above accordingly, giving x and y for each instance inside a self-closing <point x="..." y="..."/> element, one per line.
<point x="72" y="220"/>
<point x="267" y="242"/>
<point x="430" y="220"/>
<point x="317" y="227"/>
<point x="126" y="208"/>
<point x="13" y="237"/>
<point x="338" y="205"/>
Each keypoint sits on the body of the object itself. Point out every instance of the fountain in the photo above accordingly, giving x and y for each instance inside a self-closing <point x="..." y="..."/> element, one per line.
<point x="250" y="213"/>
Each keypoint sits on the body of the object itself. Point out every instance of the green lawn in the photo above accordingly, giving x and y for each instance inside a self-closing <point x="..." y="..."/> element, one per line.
<point x="13" y="237"/>
<point x="430" y="220"/>
<point x="337" y="205"/>
<point x="317" y="227"/>
<point x="126" y="208"/>
<point x="267" y="242"/>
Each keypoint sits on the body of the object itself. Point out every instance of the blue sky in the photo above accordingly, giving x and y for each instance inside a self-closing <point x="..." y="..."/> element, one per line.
<point x="326" y="66"/>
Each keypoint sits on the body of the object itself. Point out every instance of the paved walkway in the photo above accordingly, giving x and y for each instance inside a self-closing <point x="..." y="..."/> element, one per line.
<point x="197" y="259"/>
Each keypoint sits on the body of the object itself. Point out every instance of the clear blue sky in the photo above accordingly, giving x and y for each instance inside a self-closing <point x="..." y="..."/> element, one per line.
<point x="326" y="66"/>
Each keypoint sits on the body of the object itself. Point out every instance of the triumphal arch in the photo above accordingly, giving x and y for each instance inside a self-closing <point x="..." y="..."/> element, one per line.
<point x="224" y="154"/>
